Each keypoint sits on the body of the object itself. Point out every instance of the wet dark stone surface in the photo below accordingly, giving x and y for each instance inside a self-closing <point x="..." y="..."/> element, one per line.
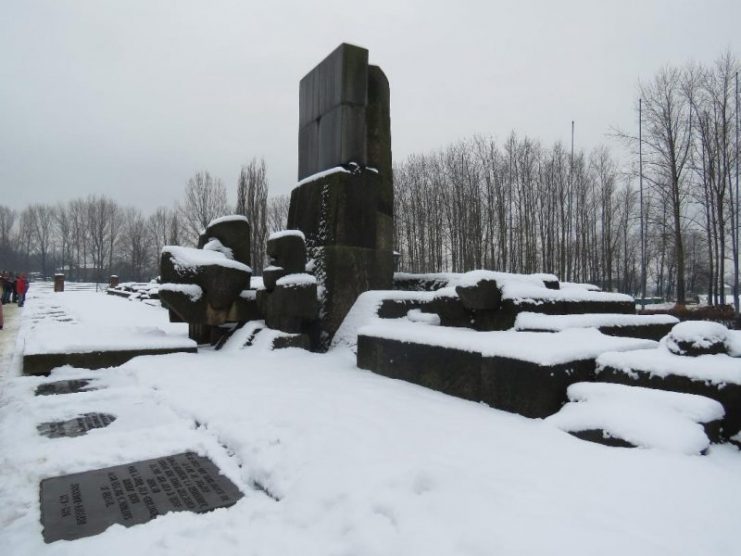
<point x="599" y="436"/>
<point x="63" y="387"/>
<point x="77" y="426"/>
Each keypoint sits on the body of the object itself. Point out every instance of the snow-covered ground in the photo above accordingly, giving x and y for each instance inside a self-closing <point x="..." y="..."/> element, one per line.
<point x="334" y="460"/>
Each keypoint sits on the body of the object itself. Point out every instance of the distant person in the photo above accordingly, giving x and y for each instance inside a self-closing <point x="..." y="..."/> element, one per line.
<point x="21" y="288"/>
<point x="13" y="293"/>
<point x="7" y="287"/>
<point x="1" y="316"/>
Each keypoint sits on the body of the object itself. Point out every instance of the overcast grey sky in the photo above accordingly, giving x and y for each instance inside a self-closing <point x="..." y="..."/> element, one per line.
<point x="130" y="98"/>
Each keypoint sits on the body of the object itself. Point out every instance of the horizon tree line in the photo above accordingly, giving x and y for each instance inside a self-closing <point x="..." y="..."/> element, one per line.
<point x="517" y="206"/>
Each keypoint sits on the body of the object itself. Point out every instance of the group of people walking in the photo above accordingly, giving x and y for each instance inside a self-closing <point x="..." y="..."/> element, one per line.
<point x="13" y="289"/>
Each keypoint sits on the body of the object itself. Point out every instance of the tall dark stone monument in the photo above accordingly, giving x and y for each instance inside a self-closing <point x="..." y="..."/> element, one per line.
<point x="344" y="201"/>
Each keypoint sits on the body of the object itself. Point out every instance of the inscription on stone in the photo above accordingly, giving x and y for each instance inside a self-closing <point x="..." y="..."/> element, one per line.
<point x="77" y="426"/>
<point x="86" y="504"/>
<point x="63" y="387"/>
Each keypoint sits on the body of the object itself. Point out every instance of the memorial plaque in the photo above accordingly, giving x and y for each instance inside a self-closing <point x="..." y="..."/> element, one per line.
<point x="75" y="427"/>
<point x="63" y="387"/>
<point x="87" y="503"/>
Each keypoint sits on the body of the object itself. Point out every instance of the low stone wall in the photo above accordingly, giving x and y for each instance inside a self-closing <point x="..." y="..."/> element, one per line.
<point x="42" y="364"/>
<point x="522" y="387"/>
<point x="530" y="389"/>
<point x="647" y="331"/>
<point x="451" y="371"/>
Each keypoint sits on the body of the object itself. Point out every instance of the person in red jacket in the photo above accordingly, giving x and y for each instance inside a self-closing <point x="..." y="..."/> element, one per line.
<point x="21" y="287"/>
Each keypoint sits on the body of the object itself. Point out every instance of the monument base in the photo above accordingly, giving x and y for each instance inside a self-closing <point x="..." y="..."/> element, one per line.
<point x="343" y="273"/>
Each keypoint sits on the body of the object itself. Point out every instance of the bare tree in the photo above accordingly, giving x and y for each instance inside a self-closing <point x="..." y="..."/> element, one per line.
<point x="8" y="219"/>
<point x="63" y="230"/>
<point x="277" y="213"/>
<point x="135" y="244"/>
<point x="667" y="139"/>
<point x="205" y="199"/>
<point x="102" y="228"/>
<point x="252" y="201"/>
<point x="38" y="221"/>
<point x="162" y="228"/>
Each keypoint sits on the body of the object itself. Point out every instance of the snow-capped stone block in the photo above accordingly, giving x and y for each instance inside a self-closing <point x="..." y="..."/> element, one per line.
<point x="292" y="307"/>
<point x="484" y="293"/>
<point x="93" y="347"/>
<point x="344" y="209"/>
<point x="220" y="279"/>
<point x="695" y="338"/>
<point x="231" y="231"/>
<point x="522" y="372"/>
<point x="270" y="276"/>
<point x="193" y="292"/>
<point x="620" y="415"/>
<point x="297" y="280"/>
<point x="715" y="376"/>
<point x="650" y="327"/>
<point x="492" y="300"/>
<point x="428" y="282"/>
<point x="373" y="306"/>
<point x="287" y="249"/>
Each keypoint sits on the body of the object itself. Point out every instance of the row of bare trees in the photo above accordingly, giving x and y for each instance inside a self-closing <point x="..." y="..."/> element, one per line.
<point x="689" y="148"/>
<point x="90" y="238"/>
<point x="521" y="206"/>
<point x="518" y="205"/>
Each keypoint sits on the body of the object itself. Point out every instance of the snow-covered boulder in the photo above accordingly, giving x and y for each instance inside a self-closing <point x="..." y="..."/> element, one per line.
<point x="632" y="416"/>
<point x="695" y="338"/>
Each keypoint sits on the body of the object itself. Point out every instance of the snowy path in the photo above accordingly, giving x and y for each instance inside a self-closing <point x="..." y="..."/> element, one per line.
<point x="361" y="465"/>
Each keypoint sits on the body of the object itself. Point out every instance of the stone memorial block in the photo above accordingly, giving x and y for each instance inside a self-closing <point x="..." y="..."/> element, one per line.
<point x="75" y="427"/>
<point x="332" y="111"/>
<point x="288" y="250"/>
<point x="201" y="286"/>
<point x="233" y="232"/>
<point x="64" y="387"/>
<point x="85" y="504"/>
<point x="483" y="295"/>
<point x="292" y="308"/>
<point x="343" y="208"/>
<point x="271" y="275"/>
<point x="346" y="215"/>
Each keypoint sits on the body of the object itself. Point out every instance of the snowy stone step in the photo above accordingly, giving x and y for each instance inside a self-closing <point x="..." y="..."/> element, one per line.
<point x="632" y="416"/>
<point x="650" y="327"/>
<point x="714" y="376"/>
<point x="523" y="372"/>
<point x="57" y="344"/>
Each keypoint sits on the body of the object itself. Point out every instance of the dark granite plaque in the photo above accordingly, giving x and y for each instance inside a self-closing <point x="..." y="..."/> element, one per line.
<point x="63" y="387"/>
<point x="77" y="426"/>
<point x="86" y="504"/>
